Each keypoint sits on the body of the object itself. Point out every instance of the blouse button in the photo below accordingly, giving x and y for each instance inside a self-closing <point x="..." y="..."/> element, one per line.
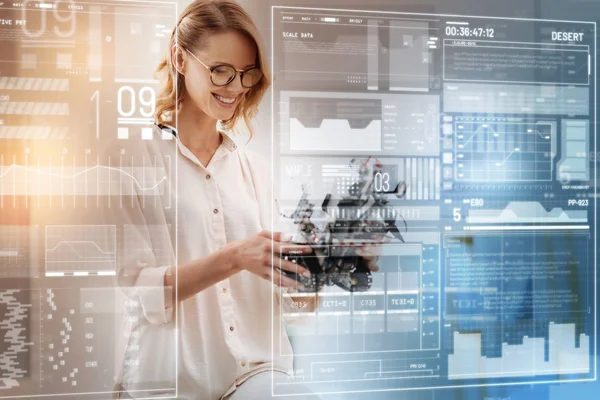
<point x="208" y="176"/>
<point x="215" y="211"/>
<point x="231" y="328"/>
<point x="243" y="364"/>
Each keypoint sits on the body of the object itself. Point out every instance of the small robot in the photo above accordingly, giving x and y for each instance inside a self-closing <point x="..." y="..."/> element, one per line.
<point x="339" y="227"/>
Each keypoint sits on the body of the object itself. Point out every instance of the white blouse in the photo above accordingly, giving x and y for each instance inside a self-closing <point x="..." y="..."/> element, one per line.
<point x="213" y="341"/>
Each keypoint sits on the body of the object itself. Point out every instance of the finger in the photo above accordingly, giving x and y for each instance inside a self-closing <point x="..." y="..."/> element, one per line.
<point x="372" y="265"/>
<point x="381" y="238"/>
<point x="366" y="252"/>
<point x="370" y="250"/>
<point x="290" y="266"/>
<point x="265" y="233"/>
<point x="297" y="249"/>
<point x="284" y="281"/>
<point x="369" y="258"/>
<point x="277" y="236"/>
<point x="290" y="283"/>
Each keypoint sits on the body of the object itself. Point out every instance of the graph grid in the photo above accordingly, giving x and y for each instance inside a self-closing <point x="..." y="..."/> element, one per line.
<point x="18" y="251"/>
<point x="524" y="359"/>
<point x="81" y="250"/>
<point x="501" y="151"/>
<point x="87" y="180"/>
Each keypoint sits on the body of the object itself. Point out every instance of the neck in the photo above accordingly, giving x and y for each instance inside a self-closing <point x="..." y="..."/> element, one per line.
<point x="196" y="130"/>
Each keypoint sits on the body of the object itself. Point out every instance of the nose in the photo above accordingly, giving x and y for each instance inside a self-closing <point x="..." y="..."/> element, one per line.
<point x="236" y="84"/>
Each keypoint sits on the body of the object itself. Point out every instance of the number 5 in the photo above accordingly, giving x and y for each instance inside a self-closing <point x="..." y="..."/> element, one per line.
<point x="456" y="214"/>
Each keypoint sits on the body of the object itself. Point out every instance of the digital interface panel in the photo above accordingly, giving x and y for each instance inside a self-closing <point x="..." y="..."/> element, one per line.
<point x="77" y="100"/>
<point x="490" y="122"/>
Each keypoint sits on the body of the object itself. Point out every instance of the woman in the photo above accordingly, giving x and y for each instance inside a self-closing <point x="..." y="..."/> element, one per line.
<point x="215" y="74"/>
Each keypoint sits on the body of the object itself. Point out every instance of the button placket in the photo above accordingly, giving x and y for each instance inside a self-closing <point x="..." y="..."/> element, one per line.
<point x="219" y="238"/>
<point x="228" y="315"/>
<point x="229" y="324"/>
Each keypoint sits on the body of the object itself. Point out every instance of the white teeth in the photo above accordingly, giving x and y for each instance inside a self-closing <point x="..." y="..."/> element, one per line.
<point x="225" y="100"/>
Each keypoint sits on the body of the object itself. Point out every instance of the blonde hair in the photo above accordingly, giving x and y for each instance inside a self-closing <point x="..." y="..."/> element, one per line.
<point x="196" y="23"/>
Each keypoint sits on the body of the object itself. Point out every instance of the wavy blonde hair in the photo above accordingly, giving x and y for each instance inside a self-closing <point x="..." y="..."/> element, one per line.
<point x="196" y="23"/>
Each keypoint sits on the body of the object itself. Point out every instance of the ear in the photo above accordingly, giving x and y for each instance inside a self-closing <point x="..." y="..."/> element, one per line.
<point x="178" y="59"/>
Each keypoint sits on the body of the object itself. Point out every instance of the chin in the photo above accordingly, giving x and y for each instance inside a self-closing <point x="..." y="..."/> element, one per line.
<point x="221" y="116"/>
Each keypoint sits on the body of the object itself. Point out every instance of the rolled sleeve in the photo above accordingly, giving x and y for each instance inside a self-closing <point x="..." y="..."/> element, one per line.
<point x="146" y="248"/>
<point x="154" y="296"/>
<point x="142" y="272"/>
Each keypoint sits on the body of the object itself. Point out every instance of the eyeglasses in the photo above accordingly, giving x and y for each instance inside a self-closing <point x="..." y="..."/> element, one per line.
<point x="224" y="74"/>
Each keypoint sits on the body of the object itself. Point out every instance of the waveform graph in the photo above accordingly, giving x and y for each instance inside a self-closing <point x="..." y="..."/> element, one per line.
<point x="15" y="341"/>
<point x="18" y="251"/>
<point x="502" y="150"/>
<point x="562" y="353"/>
<point x="95" y="180"/>
<point x="526" y="212"/>
<point x="82" y="180"/>
<point x="318" y="124"/>
<point x="80" y="250"/>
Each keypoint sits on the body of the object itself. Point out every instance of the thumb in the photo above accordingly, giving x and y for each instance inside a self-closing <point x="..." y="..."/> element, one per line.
<point x="283" y="237"/>
<point x="266" y="234"/>
<point x="277" y="236"/>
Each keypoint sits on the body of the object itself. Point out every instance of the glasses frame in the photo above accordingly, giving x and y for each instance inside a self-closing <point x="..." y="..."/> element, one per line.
<point x="241" y="72"/>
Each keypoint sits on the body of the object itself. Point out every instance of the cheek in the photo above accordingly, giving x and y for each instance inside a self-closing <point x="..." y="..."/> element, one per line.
<point x="199" y="90"/>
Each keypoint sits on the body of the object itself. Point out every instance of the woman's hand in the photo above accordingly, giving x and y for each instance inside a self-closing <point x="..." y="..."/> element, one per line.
<point x="372" y="251"/>
<point x="371" y="254"/>
<point x="260" y="255"/>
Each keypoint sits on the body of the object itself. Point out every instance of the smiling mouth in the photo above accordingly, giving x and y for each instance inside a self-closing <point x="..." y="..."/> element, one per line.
<point x="225" y="100"/>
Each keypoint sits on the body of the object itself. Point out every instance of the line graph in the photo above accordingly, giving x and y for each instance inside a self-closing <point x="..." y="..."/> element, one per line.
<point x="74" y="175"/>
<point x="94" y="180"/>
<point x="504" y="150"/>
<point x="80" y="250"/>
<point x="526" y="212"/>
<point x="83" y="179"/>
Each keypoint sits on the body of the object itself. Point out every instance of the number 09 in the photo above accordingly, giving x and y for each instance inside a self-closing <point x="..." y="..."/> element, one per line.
<point x="58" y="16"/>
<point x="146" y="96"/>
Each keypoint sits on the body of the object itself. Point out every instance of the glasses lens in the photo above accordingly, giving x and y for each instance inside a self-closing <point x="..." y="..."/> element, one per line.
<point x="222" y="75"/>
<point x="252" y="77"/>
